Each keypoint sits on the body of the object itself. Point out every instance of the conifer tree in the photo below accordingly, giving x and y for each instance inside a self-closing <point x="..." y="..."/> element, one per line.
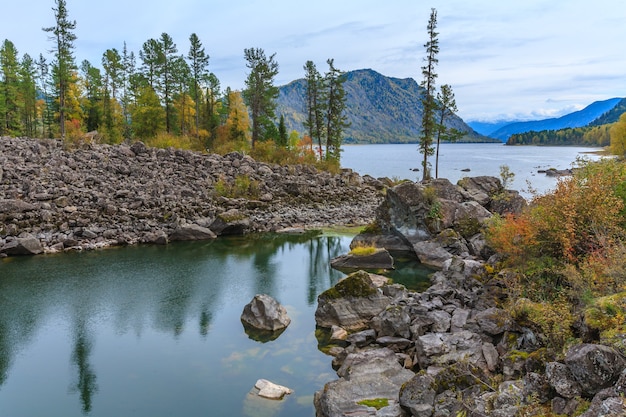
<point x="9" y="89"/>
<point x="283" y="139"/>
<point x="429" y="104"/>
<point x="198" y="63"/>
<point x="260" y="93"/>
<point x="28" y="93"/>
<point x="446" y="105"/>
<point x="168" y="49"/>
<point x="43" y="74"/>
<point x="315" y="104"/>
<point x="63" y="66"/>
<point x="336" y="120"/>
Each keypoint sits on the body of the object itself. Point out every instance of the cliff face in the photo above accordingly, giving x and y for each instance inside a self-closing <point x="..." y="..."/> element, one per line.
<point x="106" y="195"/>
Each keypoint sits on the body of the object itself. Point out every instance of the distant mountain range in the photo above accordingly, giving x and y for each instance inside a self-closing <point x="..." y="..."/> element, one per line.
<point x="380" y="109"/>
<point x="598" y="112"/>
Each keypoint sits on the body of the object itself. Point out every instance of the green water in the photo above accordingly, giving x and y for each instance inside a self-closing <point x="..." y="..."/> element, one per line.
<point x="155" y="331"/>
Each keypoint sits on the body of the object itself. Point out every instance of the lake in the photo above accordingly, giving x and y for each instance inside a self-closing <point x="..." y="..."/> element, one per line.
<point x="155" y="331"/>
<point x="479" y="158"/>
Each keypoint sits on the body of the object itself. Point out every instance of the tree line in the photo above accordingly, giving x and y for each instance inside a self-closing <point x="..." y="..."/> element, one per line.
<point x="576" y="136"/>
<point x="159" y="95"/>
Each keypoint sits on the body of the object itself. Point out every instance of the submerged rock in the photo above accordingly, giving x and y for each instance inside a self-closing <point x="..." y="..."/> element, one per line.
<point x="270" y="390"/>
<point x="380" y="259"/>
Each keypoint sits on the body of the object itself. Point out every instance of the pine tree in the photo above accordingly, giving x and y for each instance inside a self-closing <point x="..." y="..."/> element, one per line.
<point x="9" y="90"/>
<point x="28" y="93"/>
<point x="429" y="104"/>
<point x="43" y="74"/>
<point x="198" y="63"/>
<point x="283" y="139"/>
<point x="446" y="109"/>
<point x="336" y="120"/>
<point x="315" y="102"/>
<point x="260" y="93"/>
<point x="64" y="65"/>
<point x="165" y="86"/>
<point x="94" y="100"/>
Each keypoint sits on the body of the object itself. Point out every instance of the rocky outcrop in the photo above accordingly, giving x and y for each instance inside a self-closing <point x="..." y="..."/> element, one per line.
<point x="102" y="195"/>
<point x="465" y="356"/>
<point x="436" y="220"/>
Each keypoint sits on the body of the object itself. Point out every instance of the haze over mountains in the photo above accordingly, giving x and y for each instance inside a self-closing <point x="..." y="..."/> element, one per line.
<point x="384" y="109"/>
<point x="504" y="129"/>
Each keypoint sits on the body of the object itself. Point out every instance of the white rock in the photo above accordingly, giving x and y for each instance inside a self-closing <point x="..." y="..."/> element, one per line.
<point x="270" y="390"/>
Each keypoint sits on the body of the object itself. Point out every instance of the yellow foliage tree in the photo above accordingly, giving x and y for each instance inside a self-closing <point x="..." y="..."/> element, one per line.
<point x="618" y="137"/>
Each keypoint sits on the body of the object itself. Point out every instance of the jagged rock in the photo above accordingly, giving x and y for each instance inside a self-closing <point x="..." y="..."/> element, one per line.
<point x="418" y="395"/>
<point x="448" y="348"/>
<point x="351" y="303"/>
<point x="380" y="259"/>
<point x="392" y="321"/>
<point x="389" y="242"/>
<point x="494" y="321"/>
<point x="561" y="379"/>
<point x="431" y="253"/>
<point x="368" y="375"/>
<point x="265" y="313"/>
<point x="192" y="232"/>
<point x="15" y="206"/>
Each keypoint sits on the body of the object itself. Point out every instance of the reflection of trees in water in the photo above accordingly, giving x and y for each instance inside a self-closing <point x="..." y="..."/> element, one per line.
<point x="321" y="251"/>
<point x="85" y="383"/>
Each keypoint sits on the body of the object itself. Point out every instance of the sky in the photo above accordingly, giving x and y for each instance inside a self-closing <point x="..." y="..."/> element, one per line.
<point x="505" y="59"/>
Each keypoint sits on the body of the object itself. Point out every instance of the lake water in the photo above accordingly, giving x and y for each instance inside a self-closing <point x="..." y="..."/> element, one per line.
<point x="480" y="158"/>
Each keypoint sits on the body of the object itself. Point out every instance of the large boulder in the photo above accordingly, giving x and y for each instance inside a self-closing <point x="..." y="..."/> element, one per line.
<point x="26" y="245"/>
<point x="595" y="367"/>
<point x="192" y="232"/>
<point x="367" y="375"/>
<point x="231" y="222"/>
<point x="265" y="313"/>
<point x="351" y="303"/>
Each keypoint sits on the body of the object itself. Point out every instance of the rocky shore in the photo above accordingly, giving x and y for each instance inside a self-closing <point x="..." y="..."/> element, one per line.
<point x="54" y="199"/>
<point x="452" y="350"/>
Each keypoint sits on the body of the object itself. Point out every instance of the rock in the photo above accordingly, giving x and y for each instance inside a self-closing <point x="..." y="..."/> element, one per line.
<point x="418" y="395"/>
<point x="448" y="348"/>
<point x="494" y="321"/>
<point x="392" y="321"/>
<point x="231" y="222"/>
<point x="368" y="375"/>
<point x="191" y="232"/>
<point x="380" y="259"/>
<point x="271" y="390"/>
<point x="15" y="206"/>
<point x="338" y="334"/>
<point x="431" y="253"/>
<point x="351" y="303"/>
<point x="27" y="245"/>
<point x="561" y="379"/>
<point x="390" y="242"/>
<point x="265" y="313"/>
<point x="594" y="367"/>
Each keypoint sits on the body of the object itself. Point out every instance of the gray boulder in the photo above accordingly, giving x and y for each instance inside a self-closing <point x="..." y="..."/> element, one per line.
<point x="192" y="232"/>
<point x="367" y="375"/>
<point x="26" y="245"/>
<point x="561" y="379"/>
<point x="231" y="222"/>
<point x="351" y="303"/>
<point x="595" y="367"/>
<point x="265" y="313"/>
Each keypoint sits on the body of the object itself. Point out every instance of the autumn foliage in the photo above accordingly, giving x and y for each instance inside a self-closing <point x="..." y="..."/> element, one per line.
<point x="569" y="237"/>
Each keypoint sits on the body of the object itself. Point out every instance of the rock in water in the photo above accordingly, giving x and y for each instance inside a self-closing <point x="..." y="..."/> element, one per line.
<point x="270" y="390"/>
<point x="265" y="313"/>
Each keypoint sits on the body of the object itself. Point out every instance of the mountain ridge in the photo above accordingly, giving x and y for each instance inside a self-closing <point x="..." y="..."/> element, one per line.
<point x="380" y="109"/>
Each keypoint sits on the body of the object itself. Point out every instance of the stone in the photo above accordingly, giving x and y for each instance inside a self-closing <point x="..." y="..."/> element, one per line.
<point x="27" y="245"/>
<point x="379" y="259"/>
<point x="351" y="303"/>
<point x="231" y="222"/>
<point x="265" y="313"/>
<point x="338" y="334"/>
<point x="561" y="379"/>
<point x="270" y="390"/>
<point x="366" y="375"/>
<point x="594" y="367"/>
<point x="393" y="321"/>
<point x="494" y="321"/>
<point x="418" y="395"/>
<point x="191" y="232"/>
<point x="431" y="253"/>
<point x="15" y="206"/>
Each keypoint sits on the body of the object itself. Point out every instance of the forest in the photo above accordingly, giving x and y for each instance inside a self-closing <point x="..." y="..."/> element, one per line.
<point x="161" y="96"/>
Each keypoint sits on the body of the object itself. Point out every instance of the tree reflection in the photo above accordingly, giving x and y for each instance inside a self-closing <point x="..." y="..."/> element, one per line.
<point x="86" y="382"/>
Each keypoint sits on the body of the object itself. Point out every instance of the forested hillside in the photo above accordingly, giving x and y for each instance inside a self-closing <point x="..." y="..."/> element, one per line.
<point x="380" y="109"/>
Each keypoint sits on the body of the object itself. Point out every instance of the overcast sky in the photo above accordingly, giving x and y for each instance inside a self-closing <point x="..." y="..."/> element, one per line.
<point x="525" y="59"/>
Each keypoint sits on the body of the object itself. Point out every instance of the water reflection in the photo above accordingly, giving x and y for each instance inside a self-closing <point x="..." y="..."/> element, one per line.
<point x="156" y="330"/>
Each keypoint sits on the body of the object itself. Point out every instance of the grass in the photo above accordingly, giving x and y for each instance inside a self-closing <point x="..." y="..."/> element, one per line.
<point x="377" y="403"/>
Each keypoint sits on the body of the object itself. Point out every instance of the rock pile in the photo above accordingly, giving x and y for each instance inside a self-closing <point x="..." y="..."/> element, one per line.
<point x="450" y="350"/>
<point x="115" y="195"/>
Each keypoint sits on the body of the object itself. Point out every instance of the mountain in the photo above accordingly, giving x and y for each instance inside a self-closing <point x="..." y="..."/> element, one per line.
<point x="487" y="128"/>
<point x="379" y="109"/>
<point x="612" y="115"/>
<point x="577" y="119"/>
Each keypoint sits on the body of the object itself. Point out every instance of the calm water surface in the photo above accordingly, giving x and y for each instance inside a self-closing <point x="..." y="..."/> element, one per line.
<point x="155" y="331"/>
<point x="480" y="158"/>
